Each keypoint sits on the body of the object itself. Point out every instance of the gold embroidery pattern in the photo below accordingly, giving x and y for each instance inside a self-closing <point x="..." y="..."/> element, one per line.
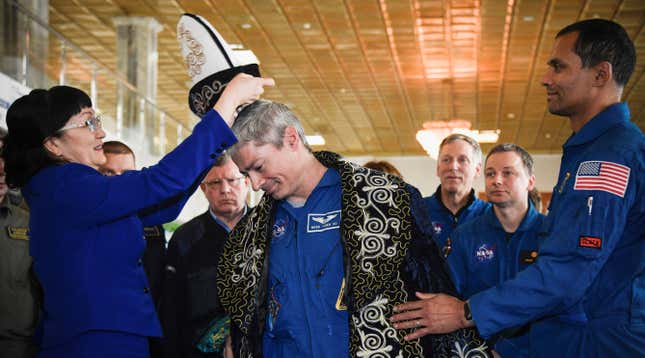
<point x="202" y="99"/>
<point x="376" y="231"/>
<point x="240" y="265"/>
<point x="195" y="57"/>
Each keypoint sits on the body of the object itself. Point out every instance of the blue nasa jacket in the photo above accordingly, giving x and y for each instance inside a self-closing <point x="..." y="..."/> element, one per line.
<point x="87" y="235"/>
<point x="484" y="255"/>
<point x="444" y="222"/>
<point x="306" y="275"/>
<point x="588" y="286"/>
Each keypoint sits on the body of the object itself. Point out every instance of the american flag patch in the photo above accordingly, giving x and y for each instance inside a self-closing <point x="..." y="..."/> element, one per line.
<point x="605" y="176"/>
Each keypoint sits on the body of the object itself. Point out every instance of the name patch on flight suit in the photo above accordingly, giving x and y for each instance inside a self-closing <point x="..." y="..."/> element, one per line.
<point x="528" y="257"/>
<point x="323" y="222"/>
<point x="18" y="233"/>
<point x="151" y="232"/>
<point x="590" y="242"/>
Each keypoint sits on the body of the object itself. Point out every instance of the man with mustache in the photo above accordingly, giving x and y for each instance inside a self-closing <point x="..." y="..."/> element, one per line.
<point x="190" y="304"/>
<point x="455" y="201"/>
<point x="587" y="289"/>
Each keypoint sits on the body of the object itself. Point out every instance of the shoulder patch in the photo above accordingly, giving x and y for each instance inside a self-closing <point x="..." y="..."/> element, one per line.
<point x="18" y="233"/>
<point x="605" y="176"/>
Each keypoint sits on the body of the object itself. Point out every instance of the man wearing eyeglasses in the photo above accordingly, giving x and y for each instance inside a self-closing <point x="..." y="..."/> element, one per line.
<point x="190" y="305"/>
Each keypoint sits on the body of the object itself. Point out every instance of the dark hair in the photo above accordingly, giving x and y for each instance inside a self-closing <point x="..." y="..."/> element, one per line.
<point x="116" y="147"/>
<point x="383" y="166"/>
<point x="603" y="40"/>
<point x="527" y="160"/>
<point x="33" y="118"/>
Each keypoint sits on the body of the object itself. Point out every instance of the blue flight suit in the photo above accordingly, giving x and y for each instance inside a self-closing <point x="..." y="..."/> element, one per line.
<point x="87" y="236"/>
<point x="305" y="317"/>
<point x="444" y="222"/>
<point x="589" y="284"/>
<point x="484" y="255"/>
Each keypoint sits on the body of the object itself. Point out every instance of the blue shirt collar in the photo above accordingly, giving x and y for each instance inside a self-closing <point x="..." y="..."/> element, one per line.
<point x="330" y="178"/>
<point x="530" y="216"/>
<point x="222" y="223"/>
<point x="600" y="123"/>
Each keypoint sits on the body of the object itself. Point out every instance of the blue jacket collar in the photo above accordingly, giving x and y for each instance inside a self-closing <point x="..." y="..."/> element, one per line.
<point x="471" y="199"/>
<point x="526" y="224"/>
<point x="599" y="124"/>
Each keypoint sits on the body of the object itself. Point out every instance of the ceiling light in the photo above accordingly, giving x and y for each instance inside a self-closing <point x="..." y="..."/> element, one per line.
<point x="434" y="132"/>
<point x="246" y="26"/>
<point x="306" y="26"/>
<point x="316" y="139"/>
<point x="528" y="18"/>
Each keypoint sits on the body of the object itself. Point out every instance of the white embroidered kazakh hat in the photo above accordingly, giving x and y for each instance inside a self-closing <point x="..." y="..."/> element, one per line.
<point x="211" y="62"/>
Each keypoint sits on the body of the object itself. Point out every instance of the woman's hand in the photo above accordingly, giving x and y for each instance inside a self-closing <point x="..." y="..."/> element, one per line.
<point x="242" y="89"/>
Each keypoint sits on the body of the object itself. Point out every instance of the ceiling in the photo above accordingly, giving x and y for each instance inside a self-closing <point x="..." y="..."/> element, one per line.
<point x="366" y="74"/>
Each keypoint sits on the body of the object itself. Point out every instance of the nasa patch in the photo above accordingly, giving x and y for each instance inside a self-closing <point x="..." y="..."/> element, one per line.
<point x="323" y="222"/>
<point x="280" y="227"/>
<point x="485" y="253"/>
<point x="436" y="227"/>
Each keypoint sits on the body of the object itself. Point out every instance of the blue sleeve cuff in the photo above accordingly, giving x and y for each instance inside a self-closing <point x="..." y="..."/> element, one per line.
<point x="228" y="139"/>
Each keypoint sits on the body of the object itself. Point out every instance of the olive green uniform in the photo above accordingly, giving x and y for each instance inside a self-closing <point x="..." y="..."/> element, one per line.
<point x="19" y="290"/>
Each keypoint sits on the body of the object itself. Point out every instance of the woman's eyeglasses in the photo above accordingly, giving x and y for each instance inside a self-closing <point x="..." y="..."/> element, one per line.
<point x="92" y="123"/>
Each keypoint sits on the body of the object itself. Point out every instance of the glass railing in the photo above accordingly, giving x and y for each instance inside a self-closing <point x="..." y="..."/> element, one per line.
<point x="37" y="56"/>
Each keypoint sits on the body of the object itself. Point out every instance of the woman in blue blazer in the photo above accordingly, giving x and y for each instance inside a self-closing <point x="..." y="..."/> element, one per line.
<point x="86" y="228"/>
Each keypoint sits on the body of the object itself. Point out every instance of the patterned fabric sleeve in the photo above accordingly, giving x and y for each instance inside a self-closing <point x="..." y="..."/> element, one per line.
<point x="425" y="270"/>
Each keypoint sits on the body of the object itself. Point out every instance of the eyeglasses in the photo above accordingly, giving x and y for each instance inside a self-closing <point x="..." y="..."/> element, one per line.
<point x="92" y="123"/>
<point x="216" y="183"/>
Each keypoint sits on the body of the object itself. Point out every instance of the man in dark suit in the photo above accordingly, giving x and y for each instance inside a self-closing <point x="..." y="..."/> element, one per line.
<point x="190" y="305"/>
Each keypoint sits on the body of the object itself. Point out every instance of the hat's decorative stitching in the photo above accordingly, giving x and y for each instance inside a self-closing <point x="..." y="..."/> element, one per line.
<point x="195" y="57"/>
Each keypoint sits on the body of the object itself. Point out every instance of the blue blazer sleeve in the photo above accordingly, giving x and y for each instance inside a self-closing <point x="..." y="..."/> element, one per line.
<point x="169" y="209"/>
<point x="89" y="198"/>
